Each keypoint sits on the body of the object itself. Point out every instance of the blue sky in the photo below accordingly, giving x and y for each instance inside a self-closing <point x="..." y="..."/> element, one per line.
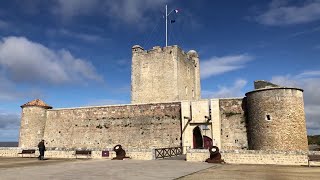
<point x="78" y="53"/>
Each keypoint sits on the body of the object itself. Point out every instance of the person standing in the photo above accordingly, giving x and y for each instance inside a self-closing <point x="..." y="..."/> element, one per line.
<point x="42" y="148"/>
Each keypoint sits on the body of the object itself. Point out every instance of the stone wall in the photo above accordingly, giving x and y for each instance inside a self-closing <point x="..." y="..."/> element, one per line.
<point x="253" y="157"/>
<point x="137" y="154"/>
<point x="233" y="124"/>
<point x="276" y="119"/>
<point x="10" y="151"/>
<point x="133" y="126"/>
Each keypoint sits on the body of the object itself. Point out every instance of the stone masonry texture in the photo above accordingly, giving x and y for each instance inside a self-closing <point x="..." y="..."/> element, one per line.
<point x="33" y="120"/>
<point x="276" y="119"/>
<point x="233" y="124"/>
<point x="263" y="84"/>
<point x="132" y="126"/>
<point x="164" y="75"/>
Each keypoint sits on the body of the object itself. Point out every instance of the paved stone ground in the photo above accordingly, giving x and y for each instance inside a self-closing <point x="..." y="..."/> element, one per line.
<point x="31" y="168"/>
<point x="261" y="172"/>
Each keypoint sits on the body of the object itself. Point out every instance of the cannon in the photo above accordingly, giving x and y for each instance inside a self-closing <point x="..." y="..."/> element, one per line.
<point x="215" y="156"/>
<point x="120" y="153"/>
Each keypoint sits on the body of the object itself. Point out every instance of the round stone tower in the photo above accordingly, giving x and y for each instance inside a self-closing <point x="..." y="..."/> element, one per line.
<point x="33" y="121"/>
<point x="276" y="118"/>
<point x="192" y="54"/>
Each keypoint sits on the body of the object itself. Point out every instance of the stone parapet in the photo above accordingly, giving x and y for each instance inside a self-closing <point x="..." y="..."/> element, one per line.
<point x="10" y="151"/>
<point x="253" y="157"/>
<point x="137" y="154"/>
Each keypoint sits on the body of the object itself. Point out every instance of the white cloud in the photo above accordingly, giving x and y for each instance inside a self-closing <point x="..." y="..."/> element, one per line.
<point x="280" y="13"/>
<point x="235" y="90"/>
<point x="308" y="74"/>
<point x="71" y="8"/>
<point x="310" y="82"/>
<point x="127" y="11"/>
<point x="81" y="36"/>
<point x="220" y="65"/>
<point x="27" y="61"/>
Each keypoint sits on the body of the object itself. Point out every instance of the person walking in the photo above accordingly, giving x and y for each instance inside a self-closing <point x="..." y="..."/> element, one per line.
<point x="42" y="148"/>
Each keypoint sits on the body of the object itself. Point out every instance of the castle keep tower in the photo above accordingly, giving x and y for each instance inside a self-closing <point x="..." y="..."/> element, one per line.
<point x="276" y="118"/>
<point x="164" y="74"/>
<point x="33" y="120"/>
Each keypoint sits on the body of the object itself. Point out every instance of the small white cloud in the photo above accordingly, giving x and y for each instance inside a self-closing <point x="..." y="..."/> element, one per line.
<point x="220" y="65"/>
<point x="27" y="61"/>
<point x="309" y="74"/>
<point x="235" y="90"/>
<point x="308" y="31"/>
<point x="309" y="82"/>
<point x="92" y="38"/>
<point x="280" y="13"/>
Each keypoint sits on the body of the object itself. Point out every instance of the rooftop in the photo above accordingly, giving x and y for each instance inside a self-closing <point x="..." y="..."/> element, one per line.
<point x="37" y="102"/>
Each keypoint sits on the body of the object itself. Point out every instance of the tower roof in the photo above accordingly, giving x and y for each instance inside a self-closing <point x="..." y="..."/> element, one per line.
<point x="37" y="102"/>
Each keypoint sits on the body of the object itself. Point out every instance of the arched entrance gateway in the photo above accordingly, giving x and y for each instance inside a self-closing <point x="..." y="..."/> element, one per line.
<point x="197" y="138"/>
<point x="200" y="141"/>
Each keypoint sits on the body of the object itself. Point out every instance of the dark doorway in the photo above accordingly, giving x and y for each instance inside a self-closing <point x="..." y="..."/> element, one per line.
<point x="197" y="138"/>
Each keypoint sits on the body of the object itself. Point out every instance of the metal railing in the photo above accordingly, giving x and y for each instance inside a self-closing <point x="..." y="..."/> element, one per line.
<point x="168" y="152"/>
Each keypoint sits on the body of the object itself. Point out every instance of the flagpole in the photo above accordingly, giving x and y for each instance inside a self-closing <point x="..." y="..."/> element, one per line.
<point x="166" y="25"/>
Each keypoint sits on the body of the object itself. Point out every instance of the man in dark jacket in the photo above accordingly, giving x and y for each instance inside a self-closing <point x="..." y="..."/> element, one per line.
<point x="42" y="148"/>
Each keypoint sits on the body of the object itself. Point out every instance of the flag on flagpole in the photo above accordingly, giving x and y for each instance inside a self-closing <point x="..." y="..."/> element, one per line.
<point x="173" y="20"/>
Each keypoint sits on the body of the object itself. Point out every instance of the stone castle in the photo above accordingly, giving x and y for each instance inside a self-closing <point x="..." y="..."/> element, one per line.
<point x="166" y="110"/>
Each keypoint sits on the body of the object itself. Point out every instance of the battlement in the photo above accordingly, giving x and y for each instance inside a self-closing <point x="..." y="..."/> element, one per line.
<point x="191" y="55"/>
